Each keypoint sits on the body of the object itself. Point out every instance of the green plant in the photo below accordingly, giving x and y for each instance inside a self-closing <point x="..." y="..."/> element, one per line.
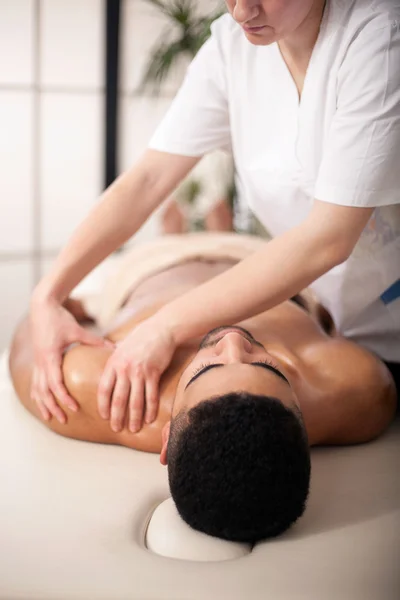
<point x="192" y="190"/>
<point x="189" y="32"/>
<point x="193" y="31"/>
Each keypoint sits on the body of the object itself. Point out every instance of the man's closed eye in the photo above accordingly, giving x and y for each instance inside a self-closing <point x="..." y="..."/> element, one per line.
<point x="263" y="364"/>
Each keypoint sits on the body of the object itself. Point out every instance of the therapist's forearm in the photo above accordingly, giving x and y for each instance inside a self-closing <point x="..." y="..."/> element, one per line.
<point x="122" y="209"/>
<point x="282" y="268"/>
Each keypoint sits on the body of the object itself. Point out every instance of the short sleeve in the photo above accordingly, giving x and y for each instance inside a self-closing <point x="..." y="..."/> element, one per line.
<point x="197" y="121"/>
<point x="361" y="155"/>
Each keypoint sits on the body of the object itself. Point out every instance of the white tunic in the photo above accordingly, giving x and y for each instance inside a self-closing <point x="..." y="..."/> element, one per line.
<point x="339" y="144"/>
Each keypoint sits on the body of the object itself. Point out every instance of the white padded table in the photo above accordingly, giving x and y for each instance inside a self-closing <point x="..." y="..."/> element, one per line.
<point x="73" y="519"/>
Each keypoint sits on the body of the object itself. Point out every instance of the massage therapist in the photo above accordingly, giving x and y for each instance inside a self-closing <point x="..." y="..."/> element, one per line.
<point x="306" y="96"/>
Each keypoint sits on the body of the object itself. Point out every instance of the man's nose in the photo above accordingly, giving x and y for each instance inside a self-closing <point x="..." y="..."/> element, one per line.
<point x="246" y="10"/>
<point x="233" y="347"/>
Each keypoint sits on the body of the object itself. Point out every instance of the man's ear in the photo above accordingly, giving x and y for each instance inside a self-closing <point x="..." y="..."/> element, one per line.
<point x="165" y="437"/>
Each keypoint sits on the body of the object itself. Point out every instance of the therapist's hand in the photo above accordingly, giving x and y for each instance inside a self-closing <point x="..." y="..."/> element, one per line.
<point x="130" y="380"/>
<point x="53" y="329"/>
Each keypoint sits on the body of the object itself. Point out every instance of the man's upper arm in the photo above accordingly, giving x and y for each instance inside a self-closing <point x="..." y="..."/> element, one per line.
<point x="365" y="402"/>
<point x="82" y="368"/>
<point x="357" y="399"/>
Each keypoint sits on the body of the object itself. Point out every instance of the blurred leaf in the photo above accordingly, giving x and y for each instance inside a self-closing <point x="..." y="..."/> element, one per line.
<point x="231" y="195"/>
<point x="160" y="63"/>
<point x="193" y="191"/>
<point x="188" y="191"/>
<point x="193" y="33"/>
<point x="161" y="6"/>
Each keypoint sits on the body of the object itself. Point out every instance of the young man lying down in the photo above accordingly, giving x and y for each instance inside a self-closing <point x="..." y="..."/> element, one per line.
<point x="240" y="407"/>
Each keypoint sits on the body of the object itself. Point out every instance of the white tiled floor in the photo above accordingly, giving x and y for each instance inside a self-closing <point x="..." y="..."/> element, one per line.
<point x="15" y="285"/>
<point x="16" y="197"/>
<point x="71" y="162"/>
<point x="72" y="43"/>
<point x="16" y="41"/>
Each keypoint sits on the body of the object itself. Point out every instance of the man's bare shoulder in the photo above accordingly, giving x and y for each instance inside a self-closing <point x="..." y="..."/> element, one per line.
<point x="82" y="368"/>
<point x="359" y="392"/>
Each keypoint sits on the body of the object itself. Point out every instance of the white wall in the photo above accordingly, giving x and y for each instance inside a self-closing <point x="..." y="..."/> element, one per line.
<point x="51" y="124"/>
<point x="143" y="26"/>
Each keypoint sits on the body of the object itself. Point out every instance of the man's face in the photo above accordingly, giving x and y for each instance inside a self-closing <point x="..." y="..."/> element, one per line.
<point x="268" y="21"/>
<point x="229" y="359"/>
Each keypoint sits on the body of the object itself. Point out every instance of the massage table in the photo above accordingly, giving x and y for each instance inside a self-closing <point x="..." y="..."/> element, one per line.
<point x="91" y="521"/>
<point x="84" y="521"/>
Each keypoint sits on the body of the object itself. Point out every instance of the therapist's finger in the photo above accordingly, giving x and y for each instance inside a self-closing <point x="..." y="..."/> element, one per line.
<point x="104" y="392"/>
<point x="56" y="383"/>
<point x="136" y="403"/>
<point x="119" y="402"/>
<point x="48" y="399"/>
<point x="151" y="398"/>
<point x="57" y="387"/>
<point x="35" y="396"/>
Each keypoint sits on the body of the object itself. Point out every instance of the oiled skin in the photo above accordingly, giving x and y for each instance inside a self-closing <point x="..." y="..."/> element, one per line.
<point x="346" y="394"/>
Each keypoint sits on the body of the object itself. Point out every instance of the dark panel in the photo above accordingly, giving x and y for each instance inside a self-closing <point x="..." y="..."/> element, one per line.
<point x="113" y="10"/>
